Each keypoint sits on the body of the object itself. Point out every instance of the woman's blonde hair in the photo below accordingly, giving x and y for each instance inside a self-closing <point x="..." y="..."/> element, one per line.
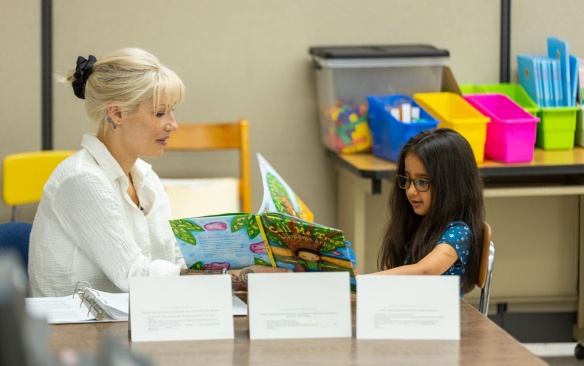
<point x="127" y="78"/>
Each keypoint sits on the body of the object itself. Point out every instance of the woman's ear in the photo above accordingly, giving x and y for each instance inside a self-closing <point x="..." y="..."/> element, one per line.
<point x="115" y="114"/>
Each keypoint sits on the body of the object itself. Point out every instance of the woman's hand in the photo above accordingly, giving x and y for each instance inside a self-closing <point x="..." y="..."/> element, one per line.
<point x="238" y="276"/>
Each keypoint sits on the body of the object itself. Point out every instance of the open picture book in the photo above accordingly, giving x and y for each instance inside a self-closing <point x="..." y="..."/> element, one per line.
<point x="282" y="235"/>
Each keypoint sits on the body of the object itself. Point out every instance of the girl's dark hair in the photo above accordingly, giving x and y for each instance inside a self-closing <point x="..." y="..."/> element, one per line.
<point x="457" y="195"/>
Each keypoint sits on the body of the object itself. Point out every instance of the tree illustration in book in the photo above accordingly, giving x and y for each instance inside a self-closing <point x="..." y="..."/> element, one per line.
<point x="304" y="246"/>
<point x="281" y="235"/>
<point x="281" y="199"/>
<point x="278" y="196"/>
<point x="231" y="241"/>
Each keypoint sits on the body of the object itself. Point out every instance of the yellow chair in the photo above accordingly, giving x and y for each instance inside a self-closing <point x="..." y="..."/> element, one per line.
<point x="24" y="176"/>
<point x="486" y="270"/>
<point x="218" y="136"/>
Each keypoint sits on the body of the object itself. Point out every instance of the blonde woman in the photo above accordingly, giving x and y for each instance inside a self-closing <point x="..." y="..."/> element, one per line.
<point x="103" y="217"/>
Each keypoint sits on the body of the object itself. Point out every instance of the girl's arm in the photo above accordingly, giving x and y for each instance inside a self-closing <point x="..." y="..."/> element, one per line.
<point x="442" y="257"/>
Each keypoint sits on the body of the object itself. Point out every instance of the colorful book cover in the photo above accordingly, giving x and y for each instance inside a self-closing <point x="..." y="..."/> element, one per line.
<point x="304" y="246"/>
<point x="283" y="238"/>
<point x="229" y="241"/>
<point x="235" y="241"/>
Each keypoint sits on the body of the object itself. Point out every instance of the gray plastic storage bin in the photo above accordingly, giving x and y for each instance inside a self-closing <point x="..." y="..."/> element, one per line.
<point x="346" y="75"/>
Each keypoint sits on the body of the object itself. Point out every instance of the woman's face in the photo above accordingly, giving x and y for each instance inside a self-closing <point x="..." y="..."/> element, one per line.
<point x="147" y="130"/>
<point x="420" y="201"/>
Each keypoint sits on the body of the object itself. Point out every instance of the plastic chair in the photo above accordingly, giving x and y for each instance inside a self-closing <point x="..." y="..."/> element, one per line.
<point x="486" y="270"/>
<point x="25" y="174"/>
<point x="14" y="236"/>
<point x="218" y="136"/>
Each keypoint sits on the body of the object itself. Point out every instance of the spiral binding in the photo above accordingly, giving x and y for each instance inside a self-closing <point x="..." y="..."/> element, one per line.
<point x="90" y="299"/>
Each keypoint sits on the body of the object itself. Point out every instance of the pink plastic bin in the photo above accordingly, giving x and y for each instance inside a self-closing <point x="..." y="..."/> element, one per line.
<point x="511" y="133"/>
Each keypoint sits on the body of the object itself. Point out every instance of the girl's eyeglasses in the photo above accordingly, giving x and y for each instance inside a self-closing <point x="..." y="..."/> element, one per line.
<point x="421" y="184"/>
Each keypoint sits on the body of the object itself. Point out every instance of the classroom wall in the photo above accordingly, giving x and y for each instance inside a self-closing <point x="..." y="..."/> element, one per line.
<point x="20" y="83"/>
<point x="250" y="59"/>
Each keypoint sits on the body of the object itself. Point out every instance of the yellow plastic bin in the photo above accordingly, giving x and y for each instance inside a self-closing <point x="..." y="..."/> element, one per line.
<point x="456" y="113"/>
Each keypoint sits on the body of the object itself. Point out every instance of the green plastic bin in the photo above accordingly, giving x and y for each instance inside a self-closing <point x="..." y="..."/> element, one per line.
<point x="470" y="89"/>
<point x="579" y="140"/>
<point x="557" y="128"/>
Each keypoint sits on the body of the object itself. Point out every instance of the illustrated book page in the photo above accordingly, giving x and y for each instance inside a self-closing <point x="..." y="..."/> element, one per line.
<point x="304" y="246"/>
<point x="281" y="235"/>
<point x="230" y="241"/>
<point x="278" y="196"/>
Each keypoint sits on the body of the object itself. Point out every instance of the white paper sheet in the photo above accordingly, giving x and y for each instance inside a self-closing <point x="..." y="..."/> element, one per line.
<point x="68" y="309"/>
<point x="408" y="307"/>
<point x="299" y="305"/>
<point x="58" y="309"/>
<point x="181" y="308"/>
<point x="239" y="307"/>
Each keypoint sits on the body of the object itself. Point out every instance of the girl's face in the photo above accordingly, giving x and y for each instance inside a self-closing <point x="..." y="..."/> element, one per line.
<point x="415" y="169"/>
<point x="147" y="130"/>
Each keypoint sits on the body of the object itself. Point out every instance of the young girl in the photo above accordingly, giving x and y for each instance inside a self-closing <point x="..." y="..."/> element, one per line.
<point x="436" y="210"/>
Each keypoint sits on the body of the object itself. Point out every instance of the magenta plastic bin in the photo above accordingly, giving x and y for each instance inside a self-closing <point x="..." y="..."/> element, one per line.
<point x="512" y="131"/>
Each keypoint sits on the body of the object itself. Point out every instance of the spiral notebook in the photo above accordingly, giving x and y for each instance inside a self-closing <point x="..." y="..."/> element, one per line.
<point x="84" y="305"/>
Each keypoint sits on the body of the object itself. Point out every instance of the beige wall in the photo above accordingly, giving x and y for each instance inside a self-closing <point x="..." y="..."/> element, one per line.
<point x="250" y="59"/>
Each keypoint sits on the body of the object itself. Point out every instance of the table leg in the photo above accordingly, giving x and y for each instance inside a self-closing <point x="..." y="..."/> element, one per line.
<point x="351" y="213"/>
<point x="578" y="331"/>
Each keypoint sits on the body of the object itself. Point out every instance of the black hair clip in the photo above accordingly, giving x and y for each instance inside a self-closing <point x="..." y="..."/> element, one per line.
<point x="82" y="71"/>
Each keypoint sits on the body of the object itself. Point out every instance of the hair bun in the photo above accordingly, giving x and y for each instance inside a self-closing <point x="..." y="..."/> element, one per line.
<point x="82" y="71"/>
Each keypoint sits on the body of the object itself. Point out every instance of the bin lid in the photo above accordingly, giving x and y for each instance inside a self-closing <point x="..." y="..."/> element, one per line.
<point x="378" y="51"/>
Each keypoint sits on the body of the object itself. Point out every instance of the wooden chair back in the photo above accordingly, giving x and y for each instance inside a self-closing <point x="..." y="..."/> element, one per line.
<point x="218" y="136"/>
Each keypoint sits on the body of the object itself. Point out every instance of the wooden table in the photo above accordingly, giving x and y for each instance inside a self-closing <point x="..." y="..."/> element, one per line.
<point x="482" y="343"/>
<point x="535" y="209"/>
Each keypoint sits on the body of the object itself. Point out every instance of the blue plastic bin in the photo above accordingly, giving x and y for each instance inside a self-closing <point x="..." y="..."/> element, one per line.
<point x="389" y="134"/>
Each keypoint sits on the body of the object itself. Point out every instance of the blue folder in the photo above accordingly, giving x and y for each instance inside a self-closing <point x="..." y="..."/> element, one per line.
<point x="558" y="97"/>
<point x="574" y="79"/>
<point x="530" y="78"/>
<point x="558" y="49"/>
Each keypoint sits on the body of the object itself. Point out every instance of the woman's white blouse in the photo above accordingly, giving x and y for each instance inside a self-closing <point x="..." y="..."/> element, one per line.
<point x="88" y="229"/>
